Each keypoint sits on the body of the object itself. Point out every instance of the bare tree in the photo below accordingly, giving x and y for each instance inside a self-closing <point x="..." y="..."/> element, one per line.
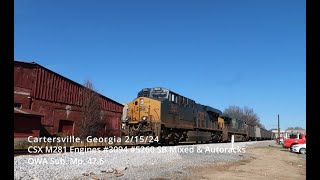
<point x="91" y="121"/>
<point x="245" y="114"/>
<point x="234" y="112"/>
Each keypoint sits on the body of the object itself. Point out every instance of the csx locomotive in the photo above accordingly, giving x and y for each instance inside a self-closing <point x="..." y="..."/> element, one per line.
<point x="173" y="118"/>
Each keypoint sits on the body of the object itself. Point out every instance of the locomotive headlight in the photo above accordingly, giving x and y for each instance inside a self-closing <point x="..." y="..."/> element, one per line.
<point x="144" y="118"/>
<point x="141" y="101"/>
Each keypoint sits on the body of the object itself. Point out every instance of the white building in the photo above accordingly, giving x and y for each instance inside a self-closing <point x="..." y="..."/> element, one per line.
<point x="283" y="134"/>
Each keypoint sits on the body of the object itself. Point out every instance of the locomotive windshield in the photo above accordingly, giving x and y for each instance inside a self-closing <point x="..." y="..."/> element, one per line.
<point x="144" y="92"/>
<point x="159" y="93"/>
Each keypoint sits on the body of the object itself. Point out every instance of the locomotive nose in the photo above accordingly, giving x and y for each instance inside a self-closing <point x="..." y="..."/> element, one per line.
<point x="140" y="111"/>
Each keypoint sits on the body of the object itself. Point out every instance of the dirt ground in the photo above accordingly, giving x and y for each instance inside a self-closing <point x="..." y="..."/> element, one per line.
<point x="270" y="162"/>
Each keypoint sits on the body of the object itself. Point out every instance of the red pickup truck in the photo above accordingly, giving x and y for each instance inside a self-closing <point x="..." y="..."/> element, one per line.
<point x="301" y="139"/>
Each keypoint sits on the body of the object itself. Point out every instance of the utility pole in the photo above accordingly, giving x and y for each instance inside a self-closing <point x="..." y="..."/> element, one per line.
<point x="278" y="128"/>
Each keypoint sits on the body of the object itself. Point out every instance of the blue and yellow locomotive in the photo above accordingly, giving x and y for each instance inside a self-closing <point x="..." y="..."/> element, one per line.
<point x="173" y="118"/>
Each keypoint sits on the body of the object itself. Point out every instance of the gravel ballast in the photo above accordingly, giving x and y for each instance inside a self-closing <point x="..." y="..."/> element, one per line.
<point x="141" y="163"/>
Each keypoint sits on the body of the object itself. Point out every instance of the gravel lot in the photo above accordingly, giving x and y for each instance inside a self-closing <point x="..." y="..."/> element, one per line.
<point x="266" y="161"/>
<point x="141" y="163"/>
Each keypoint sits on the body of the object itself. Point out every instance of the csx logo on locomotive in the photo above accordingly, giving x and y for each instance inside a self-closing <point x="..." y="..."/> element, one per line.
<point x="160" y="112"/>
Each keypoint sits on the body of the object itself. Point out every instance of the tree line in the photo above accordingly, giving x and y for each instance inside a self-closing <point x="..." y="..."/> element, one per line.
<point x="245" y="114"/>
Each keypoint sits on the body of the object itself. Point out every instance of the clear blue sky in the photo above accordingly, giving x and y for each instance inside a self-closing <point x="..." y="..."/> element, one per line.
<point x="219" y="53"/>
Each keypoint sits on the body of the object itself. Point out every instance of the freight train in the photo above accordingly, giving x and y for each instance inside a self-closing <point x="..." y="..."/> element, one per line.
<point x="172" y="118"/>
